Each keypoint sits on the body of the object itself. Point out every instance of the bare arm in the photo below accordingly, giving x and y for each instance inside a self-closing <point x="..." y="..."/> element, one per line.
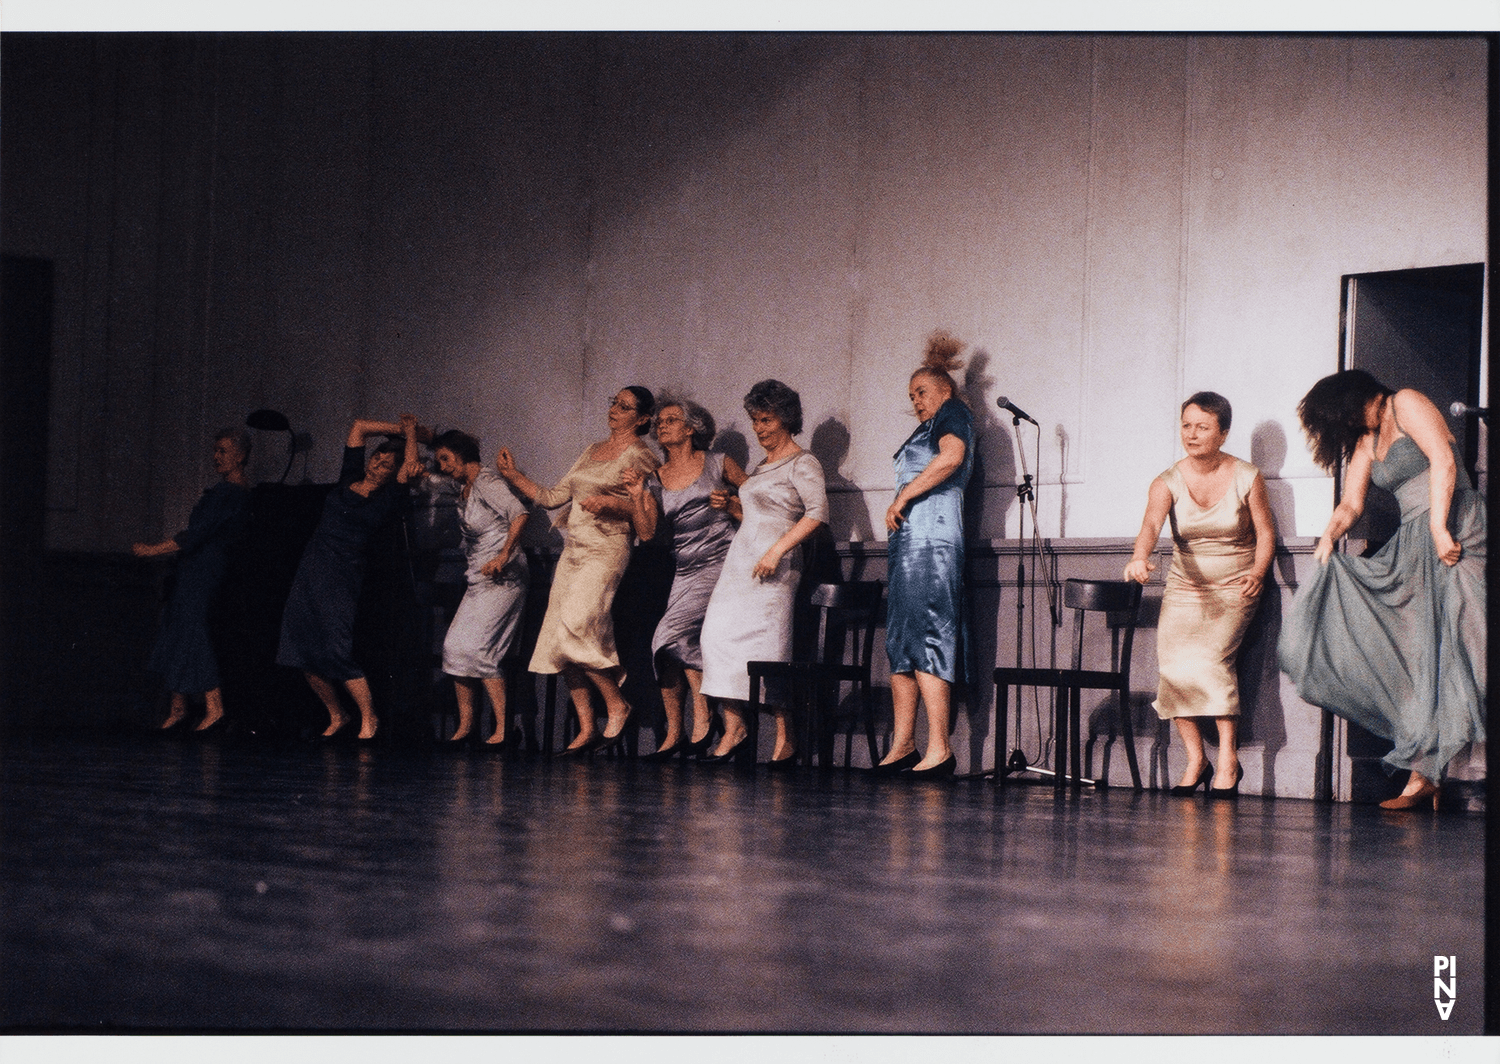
<point x="154" y="550"/>
<point x="507" y="550"/>
<point x="1265" y="540"/>
<point x="734" y="474"/>
<point x="1158" y="502"/>
<point x="505" y="464"/>
<point x="789" y="539"/>
<point x="411" y="464"/>
<point x="944" y="464"/>
<point x="1424" y="423"/>
<point x="643" y="511"/>
<point x="1356" y="484"/>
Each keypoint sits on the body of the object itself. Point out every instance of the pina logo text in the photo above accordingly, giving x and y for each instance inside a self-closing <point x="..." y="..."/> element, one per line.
<point x="1444" y="990"/>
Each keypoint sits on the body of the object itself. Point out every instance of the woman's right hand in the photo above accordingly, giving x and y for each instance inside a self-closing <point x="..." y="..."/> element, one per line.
<point x="505" y="465"/>
<point x="1324" y="550"/>
<point x="719" y="498"/>
<point x="634" y="481"/>
<point x="1139" y="570"/>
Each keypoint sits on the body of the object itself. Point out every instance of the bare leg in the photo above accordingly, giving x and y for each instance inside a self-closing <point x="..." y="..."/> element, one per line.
<point x="578" y="691"/>
<point x="1228" y="770"/>
<point x="495" y="687"/>
<point x="359" y="689"/>
<point x="936" y="697"/>
<point x="786" y="742"/>
<point x="734" y="726"/>
<point x="465" y="692"/>
<point x="671" y="682"/>
<point x="177" y="711"/>
<point x="703" y="716"/>
<point x="1192" y="740"/>
<point x="904" y="714"/>
<point x="330" y="699"/>
<point x="214" y="701"/>
<point x="614" y="702"/>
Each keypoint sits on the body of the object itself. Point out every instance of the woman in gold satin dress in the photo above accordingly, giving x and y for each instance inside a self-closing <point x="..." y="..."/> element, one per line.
<point x="577" y="637"/>
<point x="1223" y="540"/>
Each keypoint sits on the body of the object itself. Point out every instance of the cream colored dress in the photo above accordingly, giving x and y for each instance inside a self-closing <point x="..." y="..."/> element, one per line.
<point x="1203" y="616"/>
<point x="577" y="629"/>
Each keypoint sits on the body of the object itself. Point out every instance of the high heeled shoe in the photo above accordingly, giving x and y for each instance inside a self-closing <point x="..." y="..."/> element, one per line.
<point x="942" y="769"/>
<point x="665" y="753"/>
<point x="781" y="764"/>
<point x="218" y="727"/>
<point x="700" y="747"/>
<point x="1232" y="791"/>
<point x="1415" y="798"/>
<point x="727" y="756"/>
<point x="901" y="764"/>
<point x="583" y="749"/>
<point x="1204" y="780"/>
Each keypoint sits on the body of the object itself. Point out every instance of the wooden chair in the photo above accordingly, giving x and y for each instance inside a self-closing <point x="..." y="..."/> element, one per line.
<point x="847" y="614"/>
<point x="1119" y="603"/>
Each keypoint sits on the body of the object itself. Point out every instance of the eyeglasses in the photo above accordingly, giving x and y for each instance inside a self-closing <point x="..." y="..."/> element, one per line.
<point x="671" y="421"/>
<point x="618" y="402"/>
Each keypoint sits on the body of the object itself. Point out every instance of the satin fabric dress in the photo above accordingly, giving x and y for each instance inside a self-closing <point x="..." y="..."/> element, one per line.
<point x="700" y="538"/>
<point x="927" y="627"/>
<point x="750" y="619"/>
<point x="184" y="653"/>
<point x="487" y="619"/>
<point x="577" y="629"/>
<point x="1203" y="616"/>
<point x="317" y="625"/>
<point x="1396" y="642"/>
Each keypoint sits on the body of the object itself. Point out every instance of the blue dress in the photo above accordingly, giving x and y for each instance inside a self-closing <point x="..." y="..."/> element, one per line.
<point x="927" y="627"/>
<point x="1396" y="642"/>
<point x="317" y="626"/>
<point x="184" y="654"/>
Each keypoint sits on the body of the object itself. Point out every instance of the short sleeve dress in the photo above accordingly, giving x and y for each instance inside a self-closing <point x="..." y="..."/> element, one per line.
<point x="1203" y="615"/>
<point x="926" y="623"/>
<point x="317" y="625"/>
<point x="487" y="619"/>
<point x="577" y="629"/>
<point x="700" y="538"/>
<point x="750" y="619"/>
<point x="184" y="653"/>
<point x="1396" y="642"/>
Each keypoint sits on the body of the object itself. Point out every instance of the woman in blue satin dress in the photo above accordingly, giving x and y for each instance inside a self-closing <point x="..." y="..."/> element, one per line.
<point x="927" y="631"/>
<point x="1394" y="642"/>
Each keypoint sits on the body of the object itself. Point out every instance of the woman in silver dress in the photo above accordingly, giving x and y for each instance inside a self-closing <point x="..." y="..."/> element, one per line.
<point x="485" y="624"/>
<point x="677" y="501"/>
<point x="780" y="504"/>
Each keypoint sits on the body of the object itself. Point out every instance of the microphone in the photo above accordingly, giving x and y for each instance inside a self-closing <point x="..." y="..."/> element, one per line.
<point x="1465" y="410"/>
<point x="1005" y="404"/>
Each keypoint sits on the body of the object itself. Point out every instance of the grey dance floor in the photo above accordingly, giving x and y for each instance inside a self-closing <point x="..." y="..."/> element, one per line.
<point x="221" y="885"/>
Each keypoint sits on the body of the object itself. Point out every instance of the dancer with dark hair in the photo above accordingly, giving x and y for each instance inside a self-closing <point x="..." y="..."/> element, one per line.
<point x="490" y="518"/>
<point x="1394" y="642"/>
<point x="781" y="503"/>
<point x="184" y="653"/>
<point x="927" y="630"/>
<point x="1223" y="540"/>
<point x="577" y="636"/>
<point x="676" y="502"/>
<point x="317" y="625"/>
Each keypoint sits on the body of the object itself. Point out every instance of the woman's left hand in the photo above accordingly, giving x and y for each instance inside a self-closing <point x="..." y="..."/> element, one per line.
<point x="1449" y="550"/>
<point x="595" y="504"/>
<point x="894" y="518"/>
<point x="492" y="567"/>
<point x="634" y="482"/>
<point x="1250" y="585"/>
<point x="767" y="566"/>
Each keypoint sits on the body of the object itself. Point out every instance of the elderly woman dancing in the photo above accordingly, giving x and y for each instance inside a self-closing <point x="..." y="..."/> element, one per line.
<point x="927" y="637"/>
<point x="184" y="654"/>
<point x="1394" y="642"/>
<point x="780" y="504"/>
<point x="1223" y="540"/>
<point x="677" y="502"/>
<point x="577" y="636"/>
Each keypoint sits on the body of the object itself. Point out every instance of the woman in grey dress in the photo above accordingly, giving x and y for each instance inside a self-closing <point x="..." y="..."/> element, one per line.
<point x="780" y="504"/>
<point x="677" y="501"/>
<point x="484" y="626"/>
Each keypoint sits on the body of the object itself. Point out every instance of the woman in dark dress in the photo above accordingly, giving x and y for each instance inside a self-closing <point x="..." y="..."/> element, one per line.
<point x="317" y="627"/>
<point x="184" y="654"/>
<point x="927" y="632"/>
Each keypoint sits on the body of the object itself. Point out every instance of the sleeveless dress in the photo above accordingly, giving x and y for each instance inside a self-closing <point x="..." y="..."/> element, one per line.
<point x="184" y="653"/>
<point x="317" y="625"/>
<point x="1203" y="616"/>
<point x="700" y="538"/>
<point x="577" y="628"/>
<point x="485" y="624"/>
<point x="750" y="619"/>
<point x="927" y="627"/>
<point x="1396" y="642"/>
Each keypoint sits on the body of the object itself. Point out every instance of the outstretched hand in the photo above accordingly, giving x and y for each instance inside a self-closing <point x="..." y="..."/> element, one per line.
<point x="1139" y="570"/>
<point x="505" y="464"/>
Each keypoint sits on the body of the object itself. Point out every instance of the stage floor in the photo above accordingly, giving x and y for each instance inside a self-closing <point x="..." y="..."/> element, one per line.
<point x="151" y="883"/>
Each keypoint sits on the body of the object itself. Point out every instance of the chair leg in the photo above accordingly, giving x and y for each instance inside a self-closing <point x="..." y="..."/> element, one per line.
<point x="1075" y="701"/>
<point x="1127" y="732"/>
<point x="751" y="749"/>
<point x="1002" y="725"/>
<point x="1059" y="739"/>
<point x="549" y="713"/>
<point x="867" y="699"/>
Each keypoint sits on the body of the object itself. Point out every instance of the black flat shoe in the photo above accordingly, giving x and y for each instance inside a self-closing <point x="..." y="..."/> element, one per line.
<point x="1232" y="791"/>
<point x="666" y="753"/>
<point x="901" y="764"/>
<point x="1205" y="779"/>
<point x="585" y="748"/>
<point x="941" y="770"/>
<point x="781" y="764"/>
<point x="343" y="734"/>
<point x="727" y="756"/>
<point x="218" y="727"/>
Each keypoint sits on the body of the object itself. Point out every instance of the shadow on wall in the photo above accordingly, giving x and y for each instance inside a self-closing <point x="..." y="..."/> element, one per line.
<point x="732" y="443"/>
<point x="849" y="518"/>
<point x="1268" y="454"/>
<point x="994" y="455"/>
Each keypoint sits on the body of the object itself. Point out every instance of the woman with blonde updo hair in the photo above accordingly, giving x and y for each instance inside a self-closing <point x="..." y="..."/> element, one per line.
<point x="927" y="632"/>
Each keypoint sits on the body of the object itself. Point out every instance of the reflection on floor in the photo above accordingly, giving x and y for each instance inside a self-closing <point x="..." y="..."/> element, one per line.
<point x="158" y="883"/>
